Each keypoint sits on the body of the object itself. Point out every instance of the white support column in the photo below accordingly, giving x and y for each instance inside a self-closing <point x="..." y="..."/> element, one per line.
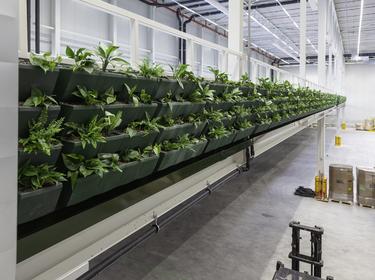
<point x="22" y="29"/>
<point x="200" y="52"/>
<point x="249" y="2"/>
<point x="321" y="139"/>
<point x="134" y="43"/>
<point x="152" y="42"/>
<point x="322" y="36"/>
<point x="235" y="36"/>
<point x="112" y="25"/>
<point x="302" y="39"/>
<point x="190" y="54"/>
<point x="9" y="30"/>
<point x="56" y="38"/>
<point x="330" y="72"/>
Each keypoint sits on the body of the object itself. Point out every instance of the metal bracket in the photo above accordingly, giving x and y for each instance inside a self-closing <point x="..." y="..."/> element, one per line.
<point x="208" y="187"/>
<point x="156" y="225"/>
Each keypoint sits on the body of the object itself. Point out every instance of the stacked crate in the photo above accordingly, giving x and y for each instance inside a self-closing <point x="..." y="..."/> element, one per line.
<point x="366" y="186"/>
<point x="341" y="183"/>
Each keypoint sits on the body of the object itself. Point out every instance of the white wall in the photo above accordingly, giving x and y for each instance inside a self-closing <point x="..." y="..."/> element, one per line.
<point x="8" y="136"/>
<point x="359" y="87"/>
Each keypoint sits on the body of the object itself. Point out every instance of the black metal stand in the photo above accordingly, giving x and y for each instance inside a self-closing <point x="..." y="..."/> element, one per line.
<point x="315" y="260"/>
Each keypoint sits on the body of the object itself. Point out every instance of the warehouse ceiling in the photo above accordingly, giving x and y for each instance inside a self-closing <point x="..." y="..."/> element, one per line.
<point x="275" y="23"/>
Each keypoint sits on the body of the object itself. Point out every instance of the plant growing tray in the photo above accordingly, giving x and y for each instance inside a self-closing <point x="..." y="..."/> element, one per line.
<point x="241" y="134"/>
<point x="224" y="106"/>
<point x="220" y="88"/>
<point x="247" y="103"/>
<point x="84" y="113"/>
<point x="34" y="204"/>
<point x="199" y="128"/>
<point x="26" y="114"/>
<point x="174" y="131"/>
<point x="196" y="150"/>
<point x="176" y="109"/>
<point x="165" y="86"/>
<point x="113" y="144"/>
<point x="100" y="81"/>
<point x="31" y="76"/>
<point x="149" y="85"/>
<point x="136" y="113"/>
<point x="260" y="128"/>
<point x="140" y="140"/>
<point x="188" y="89"/>
<point x="39" y="157"/>
<point x="246" y="90"/>
<point x="84" y="189"/>
<point x="214" y="144"/>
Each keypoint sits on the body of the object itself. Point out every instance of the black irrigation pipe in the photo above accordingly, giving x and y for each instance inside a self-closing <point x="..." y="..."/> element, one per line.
<point x="178" y="14"/>
<point x="28" y="18"/>
<point x="159" y="223"/>
<point x="37" y="26"/>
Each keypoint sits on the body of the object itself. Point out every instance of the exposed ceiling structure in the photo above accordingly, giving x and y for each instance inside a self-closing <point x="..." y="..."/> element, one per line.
<point x="275" y="25"/>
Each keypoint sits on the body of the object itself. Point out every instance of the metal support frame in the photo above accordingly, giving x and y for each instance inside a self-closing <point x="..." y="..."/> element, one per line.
<point x="321" y="147"/>
<point x="134" y="39"/>
<point x="302" y="40"/>
<point x="322" y="35"/>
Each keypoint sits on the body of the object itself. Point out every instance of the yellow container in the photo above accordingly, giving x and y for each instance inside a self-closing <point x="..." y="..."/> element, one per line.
<point x="343" y="125"/>
<point x="324" y="188"/>
<point x="338" y="140"/>
<point x="318" y="187"/>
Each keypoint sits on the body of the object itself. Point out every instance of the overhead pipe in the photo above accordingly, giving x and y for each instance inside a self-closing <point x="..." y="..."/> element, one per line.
<point x="184" y="41"/>
<point x="178" y="14"/>
<point x="28" y="19"/>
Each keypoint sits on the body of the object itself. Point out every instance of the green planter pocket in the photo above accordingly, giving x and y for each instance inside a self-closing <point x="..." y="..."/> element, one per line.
<point x="199" y="128"/>
<point x="135" y="113"/>
<point x="247" y="103"/>
<point x="138" y="169"/>
<point x="214" y="144"/>
<point x="35" y="204"/>
<point x="261" y="128"/>
<point x="220" y="88"/>
<point x="247" y="90"/>
<point x="100" y="81"/>
<point x="196" y="150"/>
<point x="34" y="77"/>
<point x="84" y="189"/>
<point x="165" y="86"/>
<point x="189" y="87"/>
<point x="224" y="106"/>
<point x="176" y="109"/>
<point x="113" y="144"/>
<point x="84" y="113"/>
<point x="170" y="158"/>
<point x="175" y="131"/>
<point x="39" y="157"/>
<point x="26" y="114"/>
<point x="241" y="134"/>
<point x="149" y="85"/>
<point x="140" y="140"/>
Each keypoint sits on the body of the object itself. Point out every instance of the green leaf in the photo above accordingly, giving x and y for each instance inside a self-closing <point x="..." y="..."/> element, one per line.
<point x="69" y="52"/>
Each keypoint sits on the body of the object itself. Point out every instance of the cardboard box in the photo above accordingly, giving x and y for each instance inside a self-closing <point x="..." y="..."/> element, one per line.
<point x="366" y="186"/>
<point x="341" y="182"/>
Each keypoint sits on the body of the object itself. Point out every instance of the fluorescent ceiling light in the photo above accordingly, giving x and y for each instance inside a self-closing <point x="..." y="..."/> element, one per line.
<point x="360" y="27"/>
<point x="218" y="6"/>
<point x="286" y="52"/>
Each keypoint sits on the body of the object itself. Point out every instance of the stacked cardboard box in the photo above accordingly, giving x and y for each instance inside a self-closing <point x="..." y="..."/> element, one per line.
<point x="366" y="186"/>
<point x="341" y="182"/>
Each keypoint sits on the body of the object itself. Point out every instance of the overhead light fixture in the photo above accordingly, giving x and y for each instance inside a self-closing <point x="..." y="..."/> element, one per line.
<point x="360" y="27"/>
<point x="286" y="52"/>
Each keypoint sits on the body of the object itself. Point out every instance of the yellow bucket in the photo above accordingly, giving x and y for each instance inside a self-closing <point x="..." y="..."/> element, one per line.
<point x="343" y="125"/>
<point x="338" y="140"/>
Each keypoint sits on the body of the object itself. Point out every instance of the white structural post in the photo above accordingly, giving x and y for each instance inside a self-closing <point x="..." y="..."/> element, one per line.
<point x="56" y="38"/>
<point x="152" y="43"/>
<point x="302" y="40"/>
<point x="321" y="147"/>
<point x="9" y="30"/>
<point x="235" y="36"/>
<point x="322" y="36"/>
<point x="134" y="43"/>
<point x="249" y="2"/>
<point x="330" y="72"/>
<point x="190" y="54"/>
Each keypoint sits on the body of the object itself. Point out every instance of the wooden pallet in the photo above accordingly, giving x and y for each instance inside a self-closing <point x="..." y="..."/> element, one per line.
<point x="341" y="201"/>
<point x="366" y="206"/>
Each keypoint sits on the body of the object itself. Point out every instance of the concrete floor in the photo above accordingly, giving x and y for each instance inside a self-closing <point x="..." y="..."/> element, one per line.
<point x="241" y="230"/>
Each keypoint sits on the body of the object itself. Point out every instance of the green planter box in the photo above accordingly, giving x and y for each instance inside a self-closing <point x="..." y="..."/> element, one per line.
<point x="131" y="171"/>
<point x="140" y="140"/>
<point x="199" y="128"/>
<point x="224" y="106"/>
<point x="260" y="128"/>
<point x="135" y="113"/>
<point x="214" y="144"/>
<point x="176" y="109"/>
<point x="175" y="131"/>
<point x="113" y="144"/>
<point x="226" y="122"/>
<point x="188" y="89"/>
<point x="35" y="204"/>
<point x="100" y="81"/>
<point x="247" y="90"/>
<point x="84" y="189"/>
<point x="26" y="114"/>
<point x="220" y="88"/>
<point x="149" y="85"/>
<point x="84" y="113"/>
<point x="247" y="103"/>
<point x="165" y="86"/>
<point x="39" y="157"/>
<point x="196" y="150"/>
<point x="34" y="77"/>
<point x="244" y="133"/>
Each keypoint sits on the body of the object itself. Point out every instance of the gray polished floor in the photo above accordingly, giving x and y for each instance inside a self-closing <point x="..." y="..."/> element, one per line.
<point x="240" y="231"/>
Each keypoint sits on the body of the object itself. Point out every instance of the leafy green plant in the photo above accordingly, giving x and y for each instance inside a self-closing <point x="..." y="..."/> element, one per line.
<point x="83" y="59"/>
<point x="220" y="77"/>
<point x="213" y="115"/>
<point x="109" y="55"/>
<point x="45" y="61"/>
<point x="90" y="134"/>
<point x="168" y="121"/>
<point x="202" y="94"/>
<point x="111" y="121"/>
<point x="218" y="132"/>
<point x="112" y="161"/>
<point x="181" y="73"/>
<point x="232" y="96"/>
<point x="42" y="137"/>
<point x="146" y="126"/>
<point x="244" y="125"/>
<point x="39" y="176"/>
<point x="240" y="111"/>
<point x="150" y="70"/>
<point x="143" y="97"/>
<point x="93" y="97"/>
<point x="39" y="99"/>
